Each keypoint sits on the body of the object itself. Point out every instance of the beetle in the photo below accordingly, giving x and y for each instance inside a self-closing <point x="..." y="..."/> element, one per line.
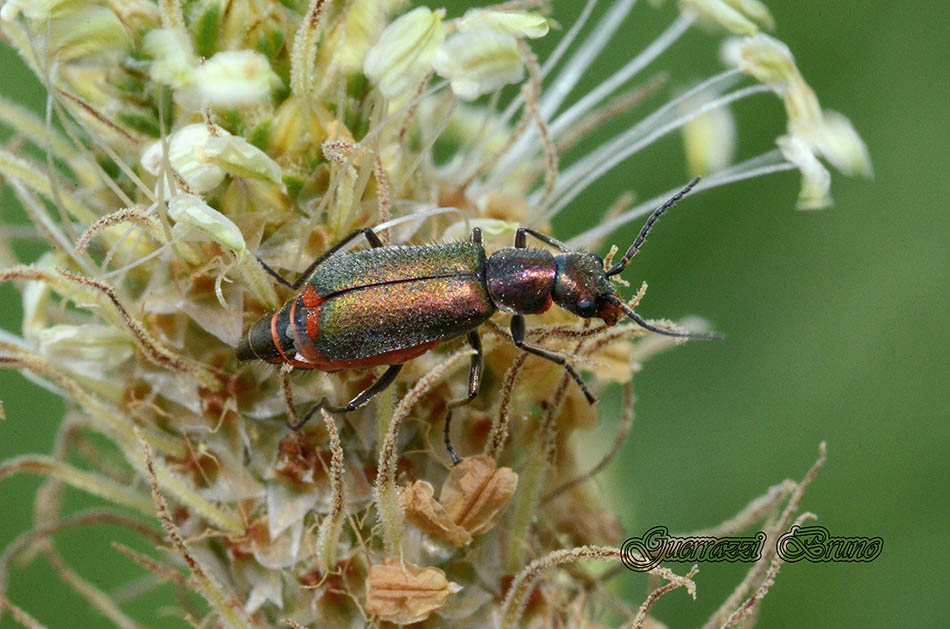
<point x="388" y="305"/>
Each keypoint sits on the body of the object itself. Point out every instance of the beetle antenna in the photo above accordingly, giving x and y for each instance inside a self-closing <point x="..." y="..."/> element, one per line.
<point x="654" y="217"/>
<point x="701" y="336"/>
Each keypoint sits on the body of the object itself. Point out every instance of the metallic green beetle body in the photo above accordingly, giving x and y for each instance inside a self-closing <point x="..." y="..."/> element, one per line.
<point x="388" y="305"/>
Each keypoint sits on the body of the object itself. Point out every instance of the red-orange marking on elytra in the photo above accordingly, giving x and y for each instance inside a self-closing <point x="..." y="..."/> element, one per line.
<point x="274" y="336"/>
<point x="310" y="297"/>
<point x="313" y="322"/>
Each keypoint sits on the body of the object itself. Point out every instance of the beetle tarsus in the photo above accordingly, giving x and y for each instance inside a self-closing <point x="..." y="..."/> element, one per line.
<point x="448" y="440"/>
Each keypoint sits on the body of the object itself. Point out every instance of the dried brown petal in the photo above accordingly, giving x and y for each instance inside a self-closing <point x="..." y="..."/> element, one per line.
<point x="577" y="515"/>
<point x="476" y="493"/>
<point x="616" y="362"/>
<point x="402" y="593"/>
<point x="423" y="510"/>
<point x="577" y="413"/>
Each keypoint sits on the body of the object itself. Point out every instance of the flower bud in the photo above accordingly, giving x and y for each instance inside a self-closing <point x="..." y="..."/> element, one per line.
<point x="462" y="230"/>
<point x="70" y="29"/>
<point x="173" y="61"/>
<point x="742" y="17"/>
<point x="196" y="220"/>
<point x="517" y="23"/>
<point x="404" y="53"/>
<point x="203" y="159"/>
<point x="479" y="62"/>
<point x="233" y="78"/>
<point x="816" y="181"/>
<point x="86" y="347"/>
<point x="710" y="138"/>
<point x="348" y="45"/>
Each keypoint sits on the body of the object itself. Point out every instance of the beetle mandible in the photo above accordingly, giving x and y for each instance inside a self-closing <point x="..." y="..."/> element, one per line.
<point x="388" y="305"/>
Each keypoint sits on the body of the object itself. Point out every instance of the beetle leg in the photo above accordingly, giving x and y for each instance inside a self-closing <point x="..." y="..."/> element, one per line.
<point x="517" y="336"/>
<point x="521" y="240"/>
<point x="474" y="382"/>
<point x="477" y="235"/>
<point x="362" y="399"/>
<point x="370" y="235"/>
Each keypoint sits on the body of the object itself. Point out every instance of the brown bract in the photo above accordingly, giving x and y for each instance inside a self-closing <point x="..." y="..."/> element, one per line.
<point x="403" y="593"/>
<point x="477" y="492"/>
<point x="423" y="510"/>
<point x="474" y="497"/>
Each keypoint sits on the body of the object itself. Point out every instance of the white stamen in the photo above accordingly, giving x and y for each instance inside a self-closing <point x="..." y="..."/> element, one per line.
<point x="559" y="50"/>
<point x="568" y="38"/>
<point x="581" y="174"/>
<point x="767" y="163"/>
<point x="608" y="87"/>
<point x="529" y="145"/>
<point x="567" y="78"/>
<point x="554" y="95"/>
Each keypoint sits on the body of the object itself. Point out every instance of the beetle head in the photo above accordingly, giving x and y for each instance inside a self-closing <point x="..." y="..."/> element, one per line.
<point x="582" y="287"/>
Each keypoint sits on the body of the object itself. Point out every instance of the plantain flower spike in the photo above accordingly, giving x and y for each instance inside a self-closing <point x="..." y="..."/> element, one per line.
<point x="184" y="143"/>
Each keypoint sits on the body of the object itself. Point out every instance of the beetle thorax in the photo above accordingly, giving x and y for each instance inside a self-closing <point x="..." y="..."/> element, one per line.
<point x="521" y="281"/>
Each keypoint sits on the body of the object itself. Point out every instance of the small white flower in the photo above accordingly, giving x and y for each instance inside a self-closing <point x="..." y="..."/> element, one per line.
<point x="517" y="23"/>
<point x="840" y="144"/>
<point x="203" y="159"/>
<point x="404" y="54"/>
<point x="742" y="17"/>
<point x="479" y="62"/>
<point x="816" y="180"/>
<point x="86" y="347"/>
<point x="173" y="60"/>
<point x="196" y="220"/>
<point x="233" y="78"/>
<point x="241" y="158"/>
<point x="710" y="138"/>
<point x="186" y="154"/>
<point x="826" y="133"/>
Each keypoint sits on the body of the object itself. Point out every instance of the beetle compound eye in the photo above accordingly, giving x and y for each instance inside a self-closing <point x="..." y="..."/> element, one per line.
<point x="585" y="307"/>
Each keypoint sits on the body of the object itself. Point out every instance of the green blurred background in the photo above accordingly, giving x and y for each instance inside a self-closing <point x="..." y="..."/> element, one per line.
<point x="835" y="326"/>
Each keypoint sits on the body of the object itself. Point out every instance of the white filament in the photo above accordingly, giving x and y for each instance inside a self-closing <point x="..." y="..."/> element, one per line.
<point x="764" y="164"/>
